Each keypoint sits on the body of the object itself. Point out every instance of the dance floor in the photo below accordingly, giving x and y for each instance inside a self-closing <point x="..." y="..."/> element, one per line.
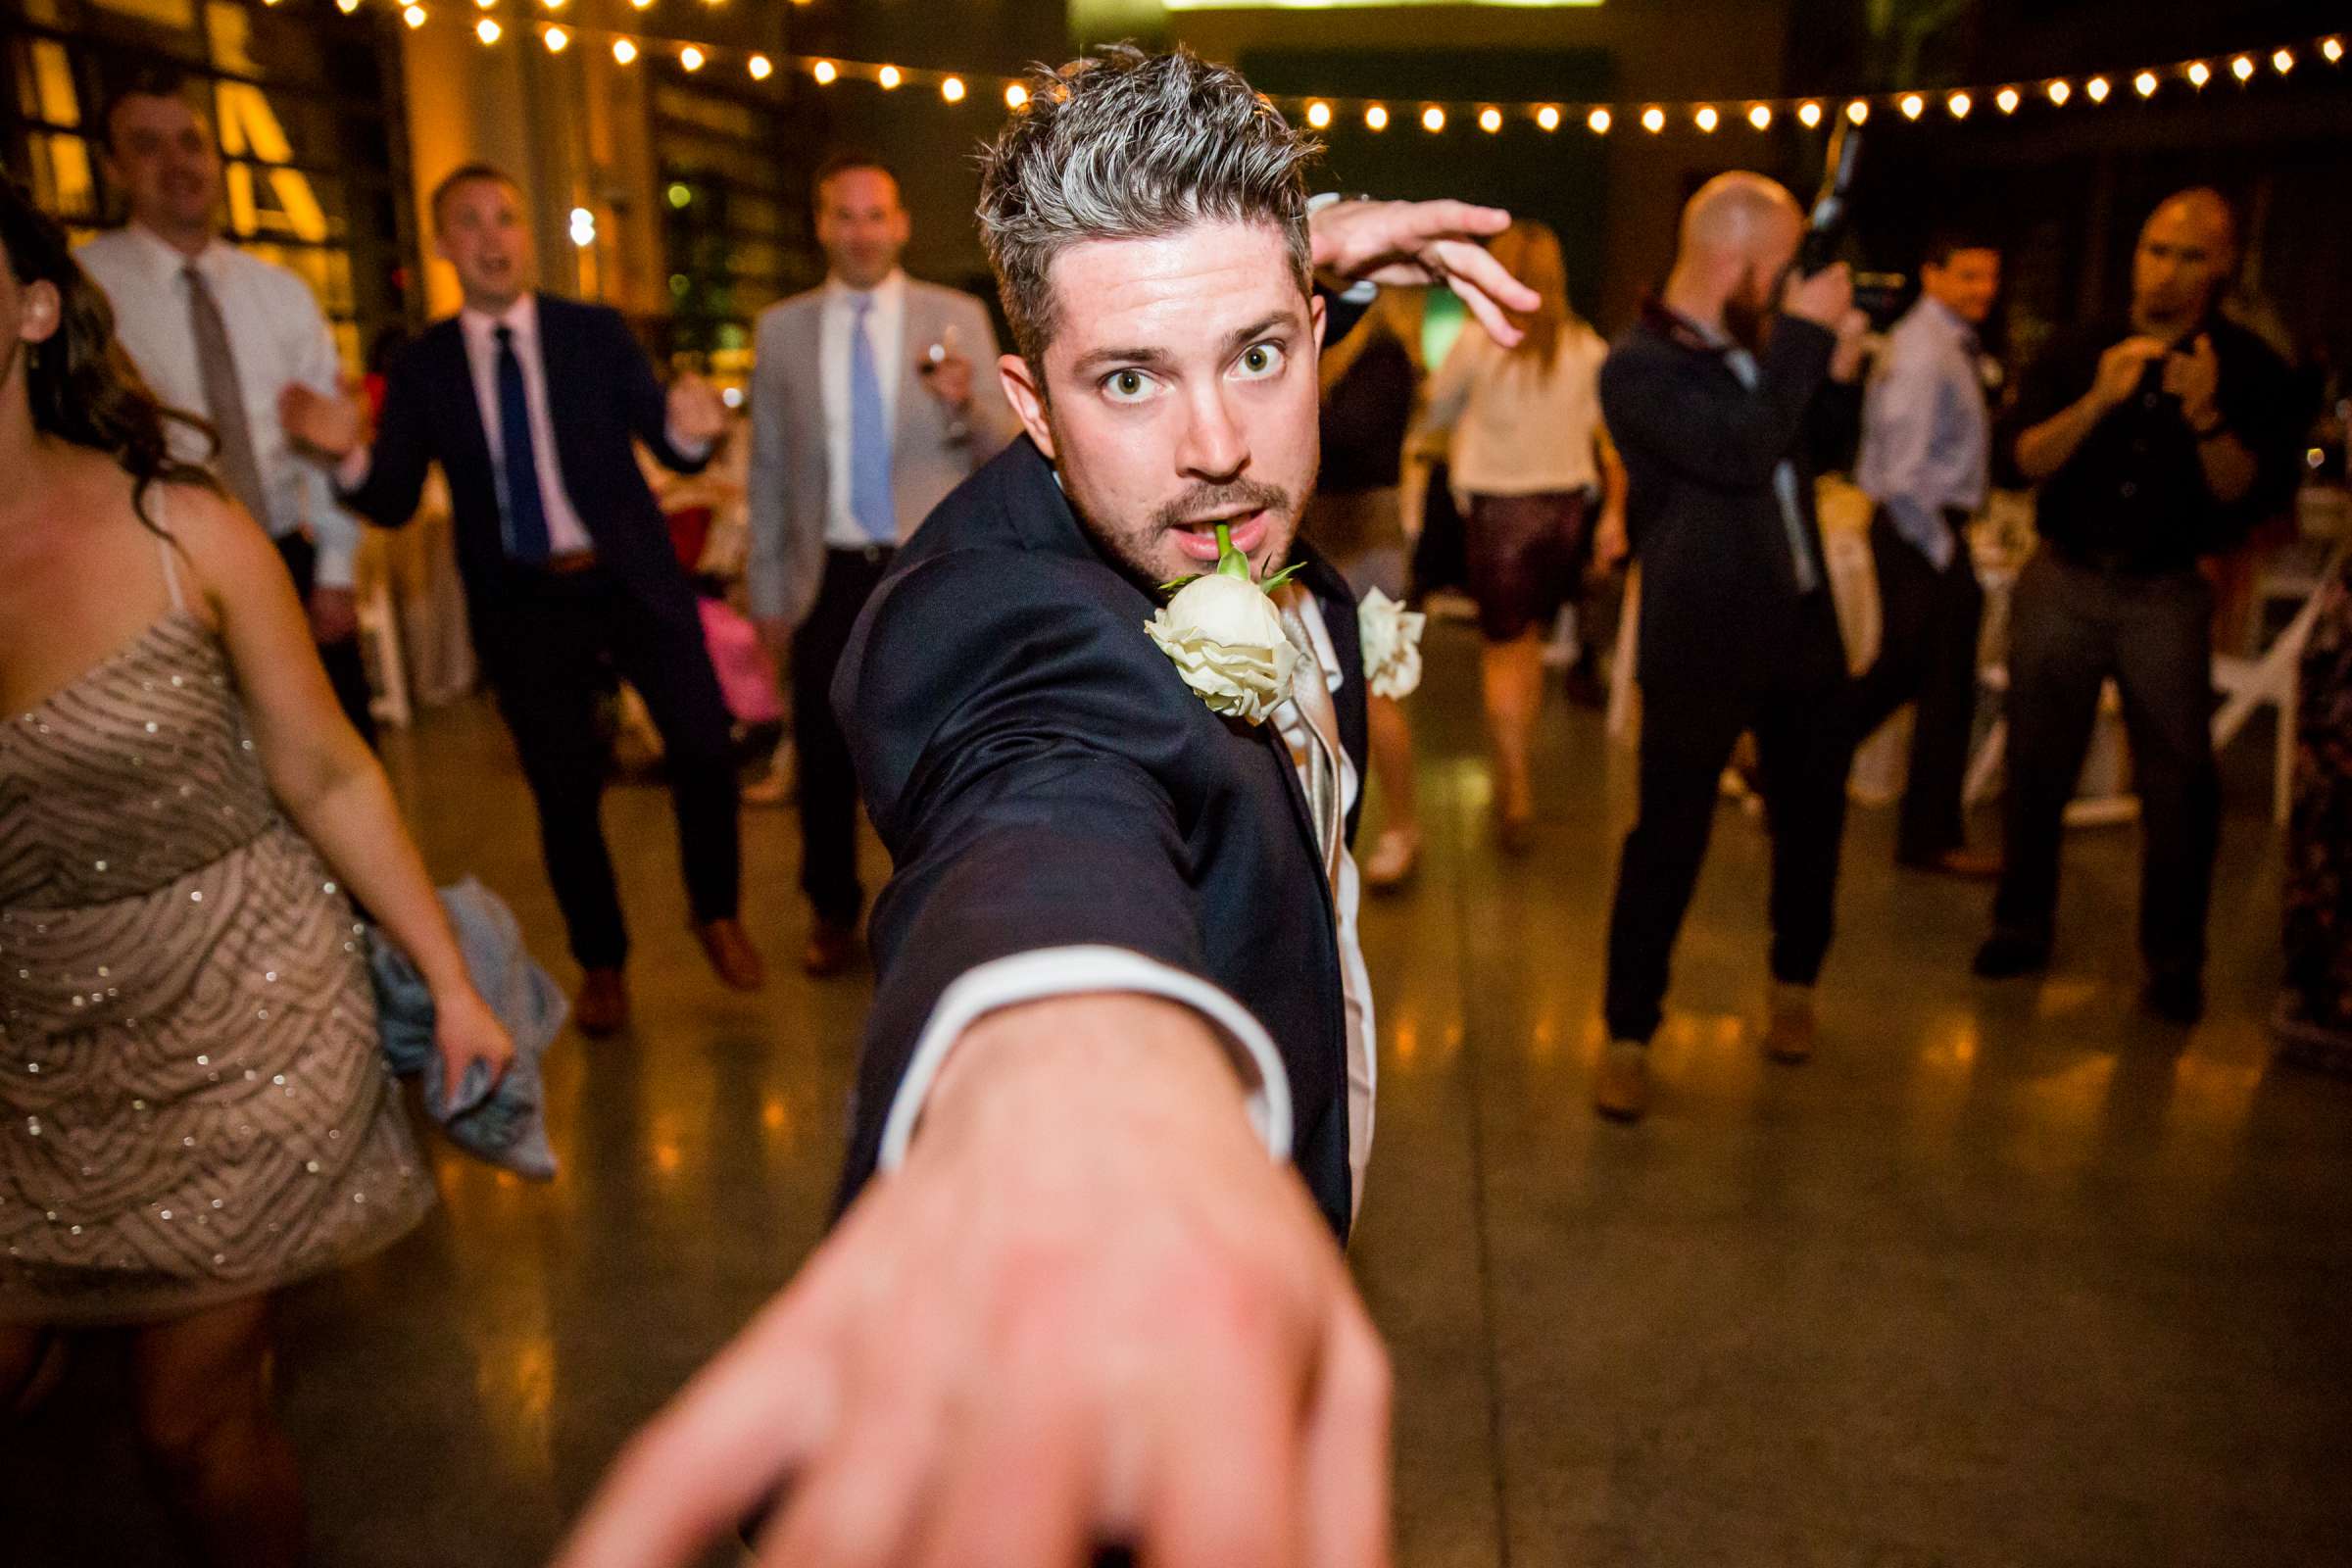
<point x="2008" y="1275"/>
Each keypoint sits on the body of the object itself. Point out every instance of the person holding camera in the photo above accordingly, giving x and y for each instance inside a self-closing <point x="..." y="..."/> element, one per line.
<point x="1926" y="437"/>
<point x="2157" y="438"/>
<point x="1714" y="398"/>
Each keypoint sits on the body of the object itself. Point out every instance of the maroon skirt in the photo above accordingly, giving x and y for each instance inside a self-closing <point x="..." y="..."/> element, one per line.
<point x="1526" y="555"/>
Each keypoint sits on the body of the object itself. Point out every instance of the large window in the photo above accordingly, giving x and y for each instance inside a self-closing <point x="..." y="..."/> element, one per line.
<point x="304" y="102"/>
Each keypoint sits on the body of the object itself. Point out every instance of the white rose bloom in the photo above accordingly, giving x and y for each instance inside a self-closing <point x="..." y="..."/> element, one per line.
<point x="1391" y="639"/>
<point x="1226" y="638"/>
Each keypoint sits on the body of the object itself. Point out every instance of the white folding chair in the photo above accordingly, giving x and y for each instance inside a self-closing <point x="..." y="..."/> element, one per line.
<point x="2274" y="678"/>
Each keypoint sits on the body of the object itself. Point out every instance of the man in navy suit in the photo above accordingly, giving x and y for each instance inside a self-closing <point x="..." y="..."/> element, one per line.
<point x="531" y="405"/>
<point x="1074" y="1302"/>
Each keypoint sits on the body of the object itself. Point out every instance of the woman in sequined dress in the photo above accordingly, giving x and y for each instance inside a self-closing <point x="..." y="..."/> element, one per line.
<point x="193" y="1109"/>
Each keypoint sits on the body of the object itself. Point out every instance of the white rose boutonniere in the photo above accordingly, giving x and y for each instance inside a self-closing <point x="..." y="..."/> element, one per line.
<point x="1391" y="639"/>
<point x="1226" y="637"/>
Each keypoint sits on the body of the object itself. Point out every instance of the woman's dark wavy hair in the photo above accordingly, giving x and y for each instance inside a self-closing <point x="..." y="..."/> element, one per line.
<point x="84" y="386"/>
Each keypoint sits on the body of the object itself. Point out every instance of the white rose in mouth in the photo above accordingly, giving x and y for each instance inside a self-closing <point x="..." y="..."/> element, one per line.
<point x="1227" y="641"/>
<point x="1391" y="639"/>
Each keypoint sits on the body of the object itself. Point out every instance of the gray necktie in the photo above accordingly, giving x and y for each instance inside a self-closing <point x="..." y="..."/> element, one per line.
<point x="1310" y="693"/>
<point x="223" y="399"/>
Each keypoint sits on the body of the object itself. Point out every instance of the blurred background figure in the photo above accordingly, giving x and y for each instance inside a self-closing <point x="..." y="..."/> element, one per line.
<point x="873" y="396"/>
<point x="221" y="332"/>
<point x="1926" y="447"/>
<point x="1529" y="455"/>
<point x="197" y="1105"/>
<point x="1370" y="379"/>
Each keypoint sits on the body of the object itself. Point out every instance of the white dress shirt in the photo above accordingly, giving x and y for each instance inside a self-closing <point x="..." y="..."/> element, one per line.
<point x="278" y="338"/>
<point x="886" y="330"/>
<point x="566" y="533"/>
<point x="1092" y="970"/>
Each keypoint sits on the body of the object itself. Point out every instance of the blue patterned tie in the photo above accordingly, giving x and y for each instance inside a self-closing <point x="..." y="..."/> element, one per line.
<point x="526" y="513"/>
<point x="869" y="438"/>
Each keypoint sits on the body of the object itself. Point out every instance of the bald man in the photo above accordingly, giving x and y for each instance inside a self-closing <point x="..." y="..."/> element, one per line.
<point x="1712" y="397"/>
<point x="2157" y="437"/>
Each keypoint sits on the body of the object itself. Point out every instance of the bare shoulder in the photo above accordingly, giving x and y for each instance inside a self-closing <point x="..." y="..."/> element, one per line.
<point x="225" y="550"/>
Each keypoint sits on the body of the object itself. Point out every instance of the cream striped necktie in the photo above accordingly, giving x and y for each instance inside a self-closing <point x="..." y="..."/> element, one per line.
<point x="1310" y="693"/>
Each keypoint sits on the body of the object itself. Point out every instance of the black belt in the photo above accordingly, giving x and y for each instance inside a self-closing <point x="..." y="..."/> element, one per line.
<point x="873" y="555"/>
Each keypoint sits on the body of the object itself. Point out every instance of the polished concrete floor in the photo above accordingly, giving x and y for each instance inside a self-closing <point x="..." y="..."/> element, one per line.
<point x="2009" y="1275"/>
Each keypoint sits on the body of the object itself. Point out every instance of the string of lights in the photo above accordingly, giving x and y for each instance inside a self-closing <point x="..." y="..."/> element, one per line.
<point x="1324" y="112"/>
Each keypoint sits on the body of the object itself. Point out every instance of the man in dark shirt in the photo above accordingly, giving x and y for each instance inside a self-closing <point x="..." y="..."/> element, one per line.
<point x="1713" y="399"/>
<point x="2156" y="440"/>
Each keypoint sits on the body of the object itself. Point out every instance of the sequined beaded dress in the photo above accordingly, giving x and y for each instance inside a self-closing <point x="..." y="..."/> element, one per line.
<point x="193" y="1106"/>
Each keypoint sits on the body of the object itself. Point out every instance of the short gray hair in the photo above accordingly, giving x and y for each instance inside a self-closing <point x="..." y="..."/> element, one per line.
<point x="1128" y="145"/>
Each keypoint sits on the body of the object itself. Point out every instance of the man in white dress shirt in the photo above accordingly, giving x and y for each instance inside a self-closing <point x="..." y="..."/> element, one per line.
<point x="845" y="465"/>
<point x="222" y="334"/>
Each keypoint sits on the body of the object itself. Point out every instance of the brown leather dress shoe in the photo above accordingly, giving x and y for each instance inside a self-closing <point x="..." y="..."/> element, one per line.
<point x="832" y="949"/>
<point x="603" y="1005"/>
<point x="1976" y="865"/>
<point x="732" y="955"/>
<point x="1789" y="1030"/>
<point x="1621" y="1092"/>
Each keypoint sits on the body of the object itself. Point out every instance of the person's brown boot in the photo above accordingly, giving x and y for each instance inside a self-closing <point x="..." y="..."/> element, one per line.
<point x="1788" y="1034"/>
<point x="732" y="955"/>
<point x="1621" y="1089"/>
<point x="603" y="1005"/>
<point x="832" y="949"/>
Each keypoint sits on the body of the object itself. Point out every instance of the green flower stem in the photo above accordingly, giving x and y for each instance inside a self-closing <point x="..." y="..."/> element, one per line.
<point x="1230" y="563"/>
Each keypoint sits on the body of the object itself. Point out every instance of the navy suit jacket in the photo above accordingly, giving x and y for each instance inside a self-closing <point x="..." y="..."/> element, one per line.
<point x="602" y="394"/>
<point x="1044" y="778"/>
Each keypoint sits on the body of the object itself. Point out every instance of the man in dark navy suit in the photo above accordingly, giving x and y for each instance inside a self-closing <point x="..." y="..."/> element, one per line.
<point x="531" y="405"/>
<point x="1073" y="1301"/>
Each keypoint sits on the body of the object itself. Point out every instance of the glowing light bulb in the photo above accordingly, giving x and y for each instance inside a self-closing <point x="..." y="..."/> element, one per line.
<point x="1376" y="117"/>
<point x="553" y="5"/>
<point x="824" y="73"/>
<point x="2332" y="49"/>
<point x="2144" y="85"/>
<point x="2200" y="74"/>
<point x="2060" y="93"/>
<point x="1808" y="115"/>
<point x="1705" y="119"/>
<point x="1760" y="116"/>
<point x="1959" y="104"/>
<point x="583" y="227"/>
<point x="1912" y="104"/>
<point x="347" y="7"/>
<point x="1857" y="111"/>
<point x="487" y="31"/>
<point x="1015" y="96"/>
<point x="1318" y="113"/>
<point x="624" y="51"/>
<point x="1433" y="119"/>
<point x="691" y="57"/>
<point x="414" y="15"/>
<point x="557" y="40"/>
<point x="2008" y="100"/>
<point x="952" y="89"/>
<point x="889" y="78"/>
<point x="1653" y="120"/>
<point x="1490" y="120"/>
<point x="760" y="67"/>
<point x="2243" y="68"/>
<point x="2284" y="61"/>
<point x="2097" y="89"/>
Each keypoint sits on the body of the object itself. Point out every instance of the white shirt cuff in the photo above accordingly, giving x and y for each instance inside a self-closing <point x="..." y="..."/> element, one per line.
<point x="337" y="564"/>
<point x="352" y="471"/>
<point x="1083" y="970"/>
<point x="691" y="451"/>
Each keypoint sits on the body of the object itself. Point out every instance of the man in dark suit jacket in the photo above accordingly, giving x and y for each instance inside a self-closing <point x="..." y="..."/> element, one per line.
<point x="531" y="405"/>
<point x="1711" y="403"/>
<point x="1077" y="1302"/>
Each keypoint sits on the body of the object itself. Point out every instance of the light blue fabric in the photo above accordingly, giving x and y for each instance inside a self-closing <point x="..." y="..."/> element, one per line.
<point x="1926" y="437"/>
<point x="870" y="500"/>
<point x="504" y="1125"/>
<point x="1784" y="484"/>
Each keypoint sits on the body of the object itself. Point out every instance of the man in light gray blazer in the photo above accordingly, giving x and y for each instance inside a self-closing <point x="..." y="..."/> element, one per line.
<point x="867" y="410"/>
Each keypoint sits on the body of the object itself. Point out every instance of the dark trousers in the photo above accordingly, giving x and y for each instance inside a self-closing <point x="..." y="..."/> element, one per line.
<point x="550" y="649"/>
<point x="828" y="780"/>
<point x="1804" y="740"/>
<point x="346" y="672"/>
<point x="1928" y="655"/>
<point x="2071" y="628"/>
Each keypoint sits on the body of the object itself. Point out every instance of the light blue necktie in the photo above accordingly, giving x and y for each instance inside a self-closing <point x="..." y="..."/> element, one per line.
<point x="869" y="438"/>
